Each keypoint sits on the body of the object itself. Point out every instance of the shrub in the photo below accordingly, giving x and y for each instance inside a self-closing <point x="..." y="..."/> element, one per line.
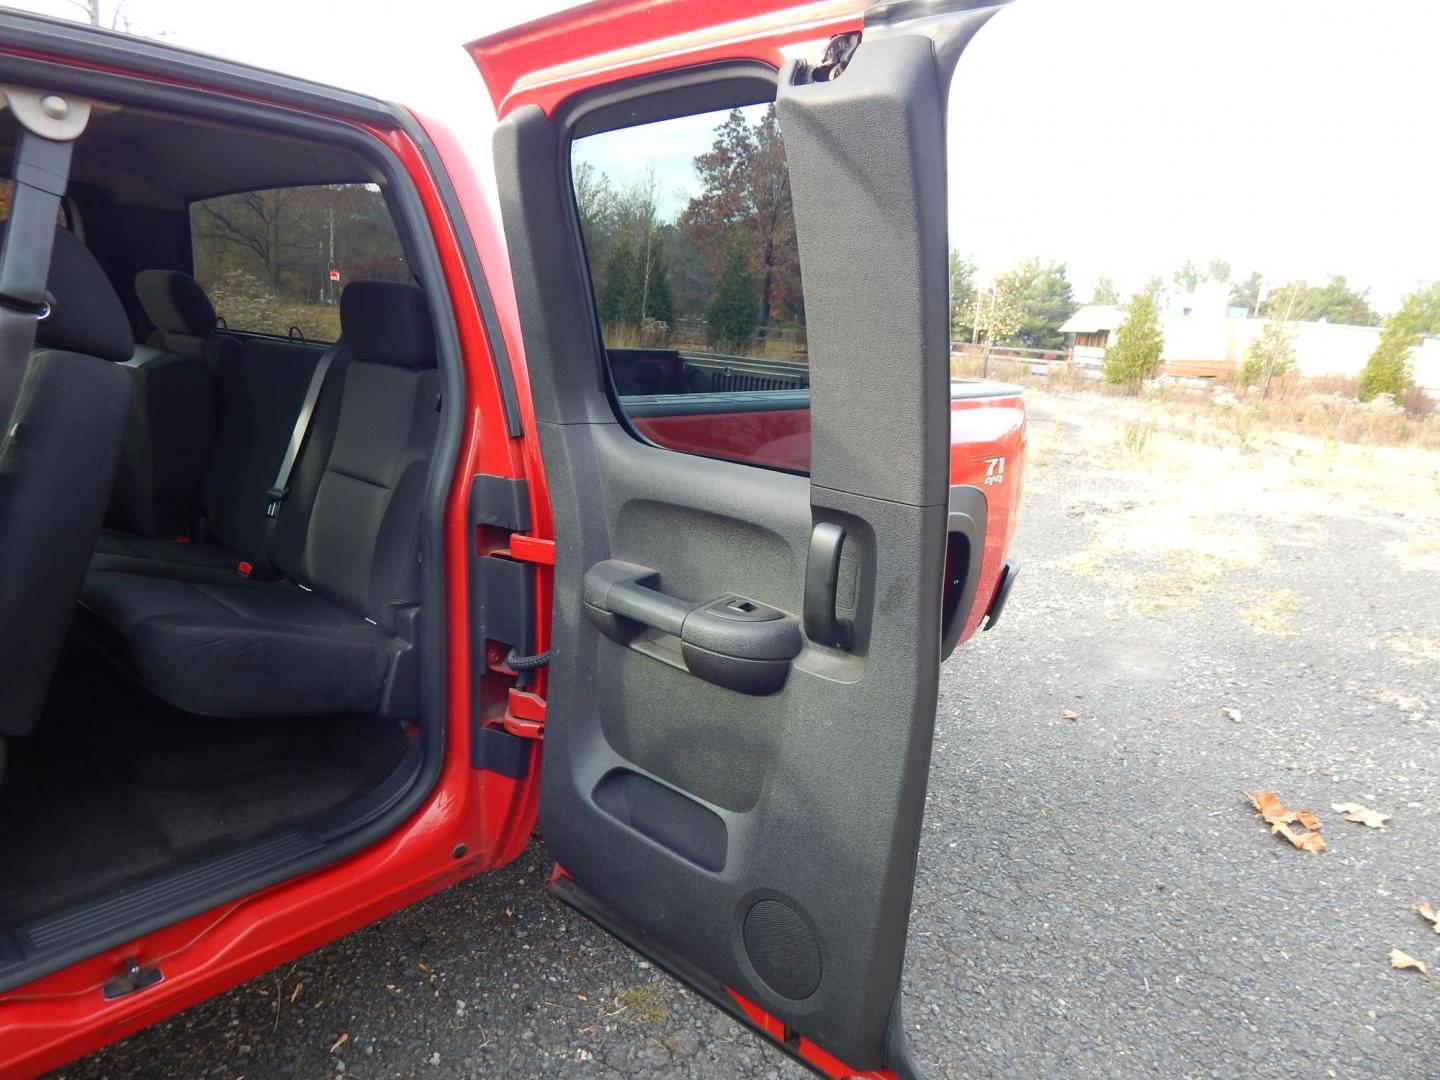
<point x="1135" y="353"/>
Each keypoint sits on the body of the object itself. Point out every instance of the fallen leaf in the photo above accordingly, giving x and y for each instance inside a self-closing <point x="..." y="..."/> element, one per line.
<point x="1428" y="913"/>
<point x="1309" y="820"/>
<point x="1233" y="715"/>
<point x="341" y="1041"/>
<point x="1280" y="817"/>
<point x="1363" y="815"/>
<point x="1305" y="841"/>
<point x="1268" y="804"/>
<point x="1069" y="714"/>
<point x="1402" y="960"/>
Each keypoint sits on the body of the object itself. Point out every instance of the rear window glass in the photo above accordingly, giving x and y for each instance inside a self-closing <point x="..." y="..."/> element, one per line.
<point x="7" y="191"/>
<point x="274" y="261"/>
<point x="690" y="242"/>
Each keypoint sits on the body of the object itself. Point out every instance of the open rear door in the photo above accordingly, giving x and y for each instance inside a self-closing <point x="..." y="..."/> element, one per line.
<point x="745" y="660"/>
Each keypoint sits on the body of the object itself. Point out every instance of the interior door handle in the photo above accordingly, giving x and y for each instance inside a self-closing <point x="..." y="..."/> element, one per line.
<point x="822" y="579"/>
<point x="732" y="641"/>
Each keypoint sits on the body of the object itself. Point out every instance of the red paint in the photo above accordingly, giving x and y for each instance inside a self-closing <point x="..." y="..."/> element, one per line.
<point x="778" y="439"/>
<point x="981" y="430"/>
<point x="544" y="62"/>
<point x="826" y="1064"/>
<point x="524" y="714"/>
<point x="532" y="549"/>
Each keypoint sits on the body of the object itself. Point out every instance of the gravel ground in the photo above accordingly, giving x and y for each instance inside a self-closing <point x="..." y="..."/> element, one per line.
<point x="1095" y="897"/>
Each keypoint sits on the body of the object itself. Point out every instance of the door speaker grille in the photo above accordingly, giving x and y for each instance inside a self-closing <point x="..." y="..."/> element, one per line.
<point x="782" y="949"/>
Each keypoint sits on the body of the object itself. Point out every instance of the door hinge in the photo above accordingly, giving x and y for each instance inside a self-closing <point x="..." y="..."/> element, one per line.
<point x="133" y="978"/>
<point x="532" y="549"/>
<point x="837" y="54"/>
<point x="525" y="714"/>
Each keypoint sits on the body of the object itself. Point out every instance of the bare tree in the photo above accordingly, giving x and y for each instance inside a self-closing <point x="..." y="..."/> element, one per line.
<point x="95" y="14"/>
<point x="256" y="221"/>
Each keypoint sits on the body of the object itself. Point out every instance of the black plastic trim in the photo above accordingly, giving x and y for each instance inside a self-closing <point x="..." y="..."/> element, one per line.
<point x="965" y="545"/>
<point x="502" y="605"/>
<point x="1008" y="574"/>
<point x="498" y="751"/>
<point x="731" y="641"/>
<point x="822" y="579"/>
<point x="666" y="95"/>
<point x="500" y="502"/>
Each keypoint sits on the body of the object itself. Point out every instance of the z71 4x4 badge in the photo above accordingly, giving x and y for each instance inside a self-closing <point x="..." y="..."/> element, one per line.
<point x="994" y="471"/>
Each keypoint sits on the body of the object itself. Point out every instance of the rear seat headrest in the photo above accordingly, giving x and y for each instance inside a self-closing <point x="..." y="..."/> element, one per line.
<point x="85" y="314"/>
<point x="175" y="302"/>
<point x="387" y="322"/>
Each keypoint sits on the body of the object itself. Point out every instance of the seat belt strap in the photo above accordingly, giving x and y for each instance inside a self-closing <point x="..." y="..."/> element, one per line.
<point x="48" y="125"/>
<point x="280" y="490"/>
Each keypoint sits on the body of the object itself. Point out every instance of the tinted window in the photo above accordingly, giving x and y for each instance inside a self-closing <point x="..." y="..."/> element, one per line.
<point x="7" y="191"/>
<point x="278" y="258"/>
<point x="690" y="241"/>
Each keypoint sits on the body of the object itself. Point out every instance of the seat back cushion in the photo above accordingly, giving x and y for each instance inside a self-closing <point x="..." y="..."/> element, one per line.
<point x="167" y="439"/>
<point x="360" y="545"/>
<point x="56" y="465"/>
<point x="260" y="396"/>
<point x="178" y="308"/>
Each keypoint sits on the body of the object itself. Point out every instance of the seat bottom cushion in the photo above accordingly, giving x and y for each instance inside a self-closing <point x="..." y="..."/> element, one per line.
<point x="246" y="649"/>
<point x="132" y="554"/>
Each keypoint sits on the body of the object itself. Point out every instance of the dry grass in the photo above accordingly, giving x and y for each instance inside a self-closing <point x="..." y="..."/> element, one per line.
<point x="1322" y="408"/>
<point x="1415" y="650"/>
<point x="1184" y="500"/>
<point x="1271" y="613"/>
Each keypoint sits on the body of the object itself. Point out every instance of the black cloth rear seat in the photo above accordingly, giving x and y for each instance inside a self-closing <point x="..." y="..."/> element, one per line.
<point x="337" y="633"/>
<point x="172" y="411"/>
<point x="260" y="393"/>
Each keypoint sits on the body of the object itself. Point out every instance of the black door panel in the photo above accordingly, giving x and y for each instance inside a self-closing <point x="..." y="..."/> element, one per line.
<point x="758" y="837"/>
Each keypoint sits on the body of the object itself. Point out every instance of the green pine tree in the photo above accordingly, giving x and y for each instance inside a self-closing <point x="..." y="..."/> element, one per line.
<point x="619" y="300"/>
<point x="659" y="300"/>
<point x="1388" y="369"/>
<point x="734" y="310"/>
<point x="1135" y="353"/>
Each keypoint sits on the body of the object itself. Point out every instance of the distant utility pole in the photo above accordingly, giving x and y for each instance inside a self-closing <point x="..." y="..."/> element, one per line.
<point x="329" y="280"/>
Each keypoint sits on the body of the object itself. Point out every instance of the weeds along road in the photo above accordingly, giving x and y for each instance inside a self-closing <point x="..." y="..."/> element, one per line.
<point x="1095" y="896"/>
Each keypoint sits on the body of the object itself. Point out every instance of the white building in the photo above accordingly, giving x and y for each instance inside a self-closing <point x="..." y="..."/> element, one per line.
<point x="1203" y="339"/>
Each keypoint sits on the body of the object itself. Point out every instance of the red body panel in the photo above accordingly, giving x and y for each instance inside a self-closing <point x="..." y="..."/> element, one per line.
<point x="982" y="431"/>
<point x="548" y="60"/>
<point x="779" y="439"/>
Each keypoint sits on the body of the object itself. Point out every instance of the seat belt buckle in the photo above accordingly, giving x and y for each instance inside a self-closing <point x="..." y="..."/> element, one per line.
<point x="277" y="496"/>
<point x="244" y="569"/>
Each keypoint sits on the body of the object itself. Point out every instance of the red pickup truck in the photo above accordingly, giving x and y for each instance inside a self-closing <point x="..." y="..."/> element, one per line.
<point x="373" y="496"/>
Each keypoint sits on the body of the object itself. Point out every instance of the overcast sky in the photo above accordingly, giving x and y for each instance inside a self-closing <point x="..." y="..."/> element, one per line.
<point x="1295" y="137"/>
